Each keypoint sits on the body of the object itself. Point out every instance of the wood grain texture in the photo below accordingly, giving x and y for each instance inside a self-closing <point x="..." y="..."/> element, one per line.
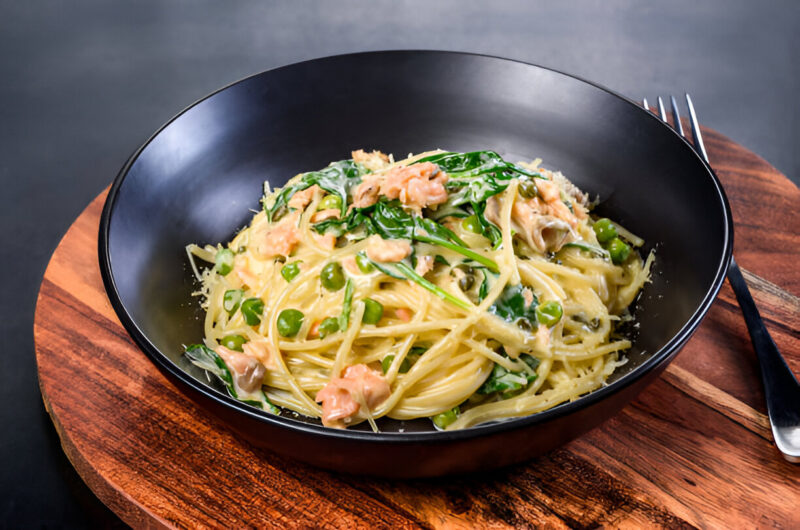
<point x="694" y="450"/>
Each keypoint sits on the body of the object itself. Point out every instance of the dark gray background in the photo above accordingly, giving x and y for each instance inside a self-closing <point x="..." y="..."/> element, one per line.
<point x="82" y="84"/>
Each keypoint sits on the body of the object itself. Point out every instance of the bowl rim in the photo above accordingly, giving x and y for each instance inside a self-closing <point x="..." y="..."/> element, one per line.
<point x="656" y="359"/>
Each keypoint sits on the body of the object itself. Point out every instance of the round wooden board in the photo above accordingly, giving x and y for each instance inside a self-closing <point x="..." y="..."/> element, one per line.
<point x="695" y="448"/>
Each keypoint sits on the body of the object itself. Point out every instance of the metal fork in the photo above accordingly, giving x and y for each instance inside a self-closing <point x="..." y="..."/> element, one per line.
<point x="781" y="389"/>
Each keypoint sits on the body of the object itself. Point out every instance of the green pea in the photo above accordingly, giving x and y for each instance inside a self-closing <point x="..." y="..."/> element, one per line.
<point x="549" y="313"/>
<point x="328" y="326"/>
<point x="527" y="188"/>
<point x="605" y="230"/>
<point x="251" y="311"/>
<point x="446" y="418"/>
<point x="231" y="300"/>
<point x="290" y="270"/>
<point x="233" y="342"/>
<point x="373" y="311"/>
<point x="289" y="322"/>
<point x="332" y="276"/>
<point x="223" y="262"/>
<point x="330" y="202"/>
<point x="619" y="250"/>
<point x="364" y="264"/>
<point x="387" y="361"/>
<point x="472" y="224"/>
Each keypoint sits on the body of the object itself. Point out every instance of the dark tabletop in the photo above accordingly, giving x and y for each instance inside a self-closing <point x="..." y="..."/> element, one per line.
<point x="82" y="84"/>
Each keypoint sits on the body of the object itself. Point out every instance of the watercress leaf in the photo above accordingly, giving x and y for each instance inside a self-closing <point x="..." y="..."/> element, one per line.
<point x="207" y="359"/>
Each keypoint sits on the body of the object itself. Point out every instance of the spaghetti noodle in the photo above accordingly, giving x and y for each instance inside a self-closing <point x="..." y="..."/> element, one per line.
<point x="454" y="286"/>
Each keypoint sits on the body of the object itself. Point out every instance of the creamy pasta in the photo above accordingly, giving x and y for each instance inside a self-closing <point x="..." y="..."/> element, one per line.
<point x="452" y="286"/>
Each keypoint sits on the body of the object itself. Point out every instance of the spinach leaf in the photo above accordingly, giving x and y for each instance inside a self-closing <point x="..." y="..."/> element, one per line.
<point x="505" y="381"/>
<point x="207" y="359"/>
<point x="391" y="221"/>
<point x="511" y="307"/>
<point x="490" y="231"/>
<point x="345" y="225"/>
<point x="338" y="178"/>
<point x="402" y="271"/>
<point x="483" y="290"/>
<point x="475" y="176"/>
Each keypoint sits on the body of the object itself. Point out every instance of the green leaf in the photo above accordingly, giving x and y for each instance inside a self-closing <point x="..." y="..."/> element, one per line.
<point x="476" y="176"/>
<point x="483" y="290"/>
<point x="411" y="274"/>
<point x="490" y="231"/>
<point x="402" y="271"/>
<point x="391" y="221"/>
<point x="207" y="359"/>
<point x="511" y="306"/>
<point x="338" y="178"/>
<point x="505" y="381"/>
<point x="344" y="225"/>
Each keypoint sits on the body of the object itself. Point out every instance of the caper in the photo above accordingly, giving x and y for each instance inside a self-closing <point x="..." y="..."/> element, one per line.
<point x="524" y="324"/>
<point x="527" y="188"/>
<point x="465" y="275"/>
<point x="465" y="283"/>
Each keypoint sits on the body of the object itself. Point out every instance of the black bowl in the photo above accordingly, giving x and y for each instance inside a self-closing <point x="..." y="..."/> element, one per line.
<point x="197" y="177"/>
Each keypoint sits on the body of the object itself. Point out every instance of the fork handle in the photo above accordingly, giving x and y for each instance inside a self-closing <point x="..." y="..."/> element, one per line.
<point x="781" y="389"/>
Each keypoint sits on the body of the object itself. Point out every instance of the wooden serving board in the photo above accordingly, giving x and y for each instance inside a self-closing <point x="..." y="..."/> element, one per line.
<point x="695" y="449"/>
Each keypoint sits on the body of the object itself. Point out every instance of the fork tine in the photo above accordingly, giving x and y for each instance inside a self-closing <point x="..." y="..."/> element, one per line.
<point x="661" y="110"/>
<point x="645" y="104"/>
<point x="698" y="138"/>
<point x="676" y="116"/>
